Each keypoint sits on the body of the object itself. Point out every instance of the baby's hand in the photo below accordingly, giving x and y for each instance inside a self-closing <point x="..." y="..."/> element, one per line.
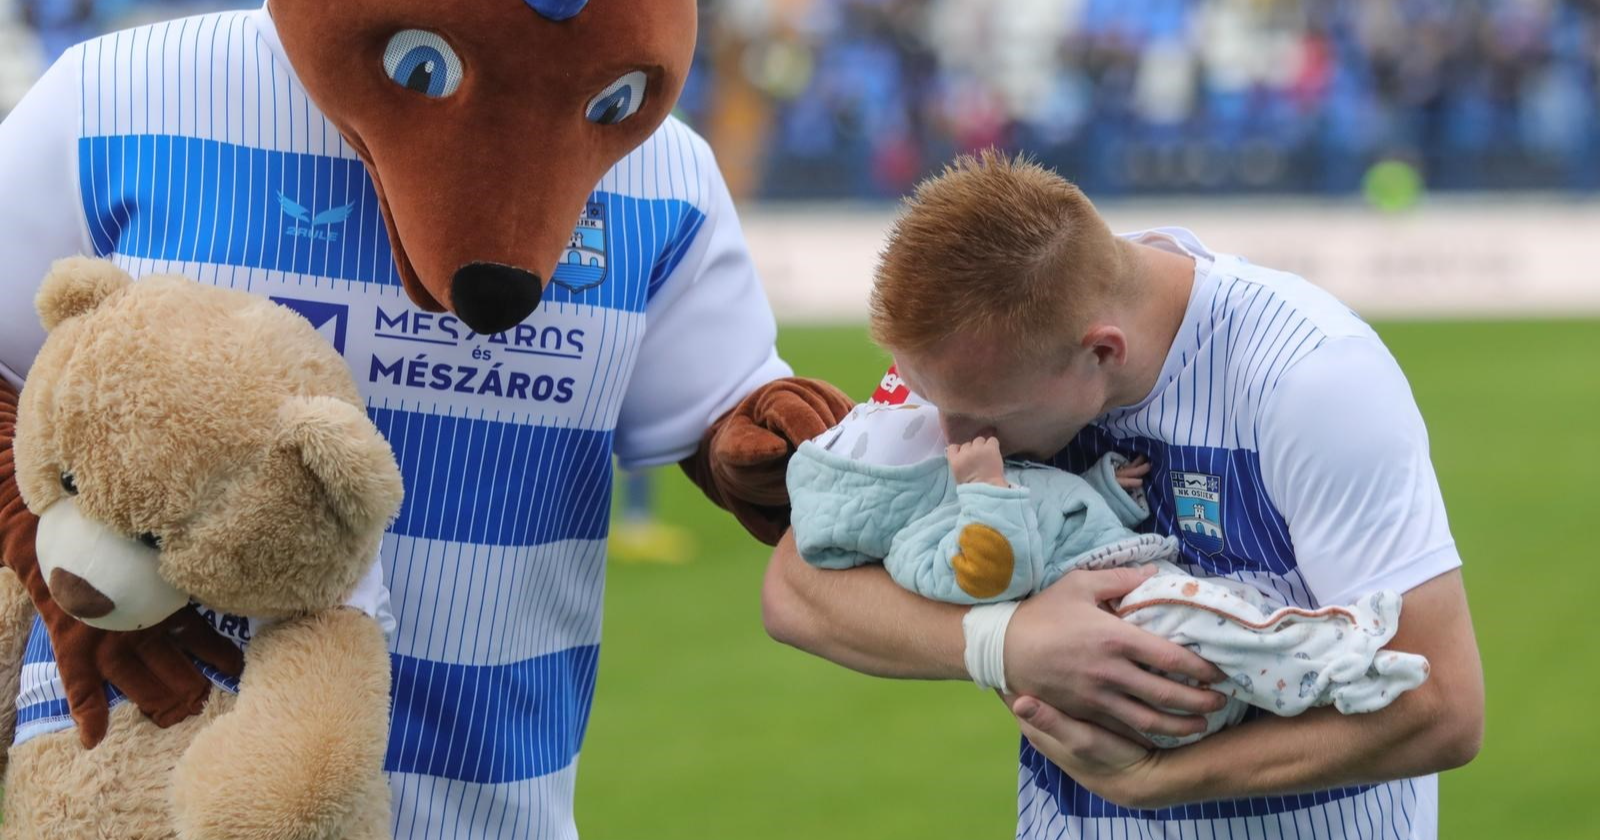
<point x="1131" y="475"/>
<point x="978" y="460"/>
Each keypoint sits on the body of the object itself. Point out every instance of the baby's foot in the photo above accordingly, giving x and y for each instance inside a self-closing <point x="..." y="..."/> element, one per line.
<point x="984" y="566"/>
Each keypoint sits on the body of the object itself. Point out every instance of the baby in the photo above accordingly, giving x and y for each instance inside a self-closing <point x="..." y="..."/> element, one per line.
<point x="960" y="524"/>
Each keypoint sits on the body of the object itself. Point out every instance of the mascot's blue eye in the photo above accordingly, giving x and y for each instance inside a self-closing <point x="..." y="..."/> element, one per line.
<point x="620" y="100"/>
<point x="423" y="62"/>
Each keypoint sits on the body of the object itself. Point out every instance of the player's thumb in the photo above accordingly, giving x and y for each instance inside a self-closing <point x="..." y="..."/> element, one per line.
<point x="1040" y="724"/>
<point x="1111" y="584"/>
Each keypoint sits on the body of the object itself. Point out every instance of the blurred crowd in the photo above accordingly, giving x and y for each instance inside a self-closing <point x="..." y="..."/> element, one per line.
<point x="860" y="98"/>
<point x="33" y="33"/>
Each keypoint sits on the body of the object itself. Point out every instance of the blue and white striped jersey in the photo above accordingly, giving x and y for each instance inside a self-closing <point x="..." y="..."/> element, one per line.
<point x="190" y="147"/>
<point x="1287" y="452"/>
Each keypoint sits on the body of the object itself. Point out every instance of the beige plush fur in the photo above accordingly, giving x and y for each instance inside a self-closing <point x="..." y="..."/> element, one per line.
<point x="120" y="789"/>
<point x="228" y="427"/>
<point x="307" y="770"/>
<point x="16" y="619"/>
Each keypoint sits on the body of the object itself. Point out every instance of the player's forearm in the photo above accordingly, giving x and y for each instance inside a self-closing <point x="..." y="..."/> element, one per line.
<point x="1437" y="726"/>
<point x="861" y="619"/>
<point x="1319" y="750"/>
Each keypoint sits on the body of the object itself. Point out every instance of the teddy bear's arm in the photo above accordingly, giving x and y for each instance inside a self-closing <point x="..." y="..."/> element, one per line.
<point x="301" y="753"/>
<point x="744" y="456"/>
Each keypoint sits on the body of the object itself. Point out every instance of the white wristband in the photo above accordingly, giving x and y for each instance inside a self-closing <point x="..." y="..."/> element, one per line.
<point x="985" y="628"/>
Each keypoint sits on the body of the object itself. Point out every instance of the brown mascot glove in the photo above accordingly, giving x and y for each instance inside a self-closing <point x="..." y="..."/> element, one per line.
<point x="151" y="666"/>
<point x="744" y="456"/>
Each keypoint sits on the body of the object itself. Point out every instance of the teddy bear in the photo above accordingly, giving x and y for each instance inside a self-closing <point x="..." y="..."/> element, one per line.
<point x="189" y="447"/>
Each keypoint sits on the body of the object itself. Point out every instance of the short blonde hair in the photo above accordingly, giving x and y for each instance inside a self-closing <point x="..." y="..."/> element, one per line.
<point x="995" y="246"/>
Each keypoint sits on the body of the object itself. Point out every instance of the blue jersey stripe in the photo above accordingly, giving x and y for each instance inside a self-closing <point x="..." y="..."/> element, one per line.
<point x="1075" y="801"/>
<point x="460" y="471"/>
<point x="189" y="199"/>
<point x="38" y="649"/>
<point x="490" y="724"/>
<point x="1256" y="537"/>
<point x="38" y="711"/>
<point x="163" y="197"/>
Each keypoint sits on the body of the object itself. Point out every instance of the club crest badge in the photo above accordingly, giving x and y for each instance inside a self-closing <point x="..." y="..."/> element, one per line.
<point x="583" y="262"/>
<point x="1197" y="498"/>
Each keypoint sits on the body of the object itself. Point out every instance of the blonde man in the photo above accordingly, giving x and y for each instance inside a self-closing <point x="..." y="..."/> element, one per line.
<point x="1287" y="453"/>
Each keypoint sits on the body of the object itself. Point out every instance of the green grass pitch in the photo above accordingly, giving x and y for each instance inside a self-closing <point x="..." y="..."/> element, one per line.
<point x="705" y="728"/>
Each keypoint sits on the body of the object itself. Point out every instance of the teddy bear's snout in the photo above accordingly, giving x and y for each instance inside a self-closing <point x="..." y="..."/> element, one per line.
<point x="77" y="596"/>
<point x="99" y="575"/>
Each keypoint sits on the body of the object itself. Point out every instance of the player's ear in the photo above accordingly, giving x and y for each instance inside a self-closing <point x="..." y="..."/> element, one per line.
<point x="1107" y="342"/>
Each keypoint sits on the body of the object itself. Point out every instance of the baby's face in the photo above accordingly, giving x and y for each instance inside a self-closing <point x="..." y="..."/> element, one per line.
<point x="980" y="391"/>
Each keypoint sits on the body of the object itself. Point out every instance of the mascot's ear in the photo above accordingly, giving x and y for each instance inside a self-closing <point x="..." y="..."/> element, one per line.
<point x="347" y="456"/>
<point x="77" y="285"/>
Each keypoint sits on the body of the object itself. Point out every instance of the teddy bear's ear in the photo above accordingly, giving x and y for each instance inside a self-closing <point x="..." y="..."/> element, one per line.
<point x="348" y="457"/>
<point x="76" y="285"/>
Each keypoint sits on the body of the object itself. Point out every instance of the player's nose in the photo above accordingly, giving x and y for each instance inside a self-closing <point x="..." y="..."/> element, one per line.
<point x="492" y="298"/>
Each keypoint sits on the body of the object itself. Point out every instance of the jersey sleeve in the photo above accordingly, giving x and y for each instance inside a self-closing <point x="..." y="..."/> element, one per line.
<point x="371" y="596"/>
<point x="710" y="339"/>
<point x="1344" y="456"/>
<point x="41" y="215"/>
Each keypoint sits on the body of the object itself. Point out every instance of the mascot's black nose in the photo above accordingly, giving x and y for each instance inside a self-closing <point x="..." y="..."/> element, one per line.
<point x="493" y="298"/>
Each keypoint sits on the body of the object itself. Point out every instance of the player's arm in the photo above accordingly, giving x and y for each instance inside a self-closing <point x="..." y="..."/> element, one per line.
<point x="709" y="390"/>
<point x="874" y="625"/>
<point x="1345" y="456"/>
<point x="1060" y="644"/>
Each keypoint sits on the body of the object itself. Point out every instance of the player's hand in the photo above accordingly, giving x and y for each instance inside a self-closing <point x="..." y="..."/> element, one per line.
<point x="1115" y="768"/>
<point x="977" y="461"/>
<point x="1131" y="475"/>
<point x="1065" y="649"/>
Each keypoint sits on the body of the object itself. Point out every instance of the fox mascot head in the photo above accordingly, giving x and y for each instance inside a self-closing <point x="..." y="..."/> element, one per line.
<point x="484" y="125"/>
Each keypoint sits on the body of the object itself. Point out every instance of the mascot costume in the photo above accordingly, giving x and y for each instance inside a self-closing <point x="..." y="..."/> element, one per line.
<point x="529" y="268"/>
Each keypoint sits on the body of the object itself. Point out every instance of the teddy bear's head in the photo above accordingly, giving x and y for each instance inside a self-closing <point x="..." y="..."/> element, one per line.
<point x="178" y="440"/>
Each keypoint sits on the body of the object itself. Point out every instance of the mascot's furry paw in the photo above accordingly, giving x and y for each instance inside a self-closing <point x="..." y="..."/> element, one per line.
<point x="744" y="457"/>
